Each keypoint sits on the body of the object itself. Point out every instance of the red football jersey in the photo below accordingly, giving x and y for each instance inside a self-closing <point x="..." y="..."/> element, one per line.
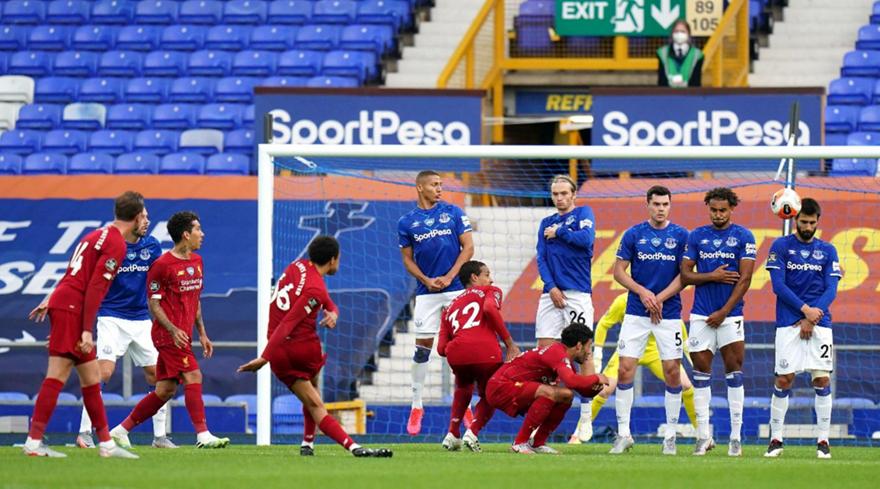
<point x="470" y="327"/>
<point x="177" y="284"/>
<point x="545" y="365"/>
<point x="299" y="294"/>
<point x="92" y="268"/>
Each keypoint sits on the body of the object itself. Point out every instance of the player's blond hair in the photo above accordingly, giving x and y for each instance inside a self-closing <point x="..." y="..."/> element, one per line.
<point x="564" y="178"/>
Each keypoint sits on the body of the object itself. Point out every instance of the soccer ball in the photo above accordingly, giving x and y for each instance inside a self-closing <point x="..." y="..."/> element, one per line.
<point x="786" y="203"/>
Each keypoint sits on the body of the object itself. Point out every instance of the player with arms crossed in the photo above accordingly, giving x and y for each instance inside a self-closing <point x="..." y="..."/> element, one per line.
<point x="294" y="349"/>
<point x="175" y="284"/>
<point x="72" y="309"/>
<point x="805" y="272"/>
<point x="724" y="255"/>
<point x="654" y="249"/>
<point x="527" y="386"/>
<point x="469" y="333"/>
<point x="435" y="241"/>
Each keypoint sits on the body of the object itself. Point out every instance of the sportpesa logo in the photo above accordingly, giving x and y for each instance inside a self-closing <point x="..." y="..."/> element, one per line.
<point x="715" y="255"/>
<point x="134" y="268"/>
<point x="432" y="234"/>
<point x="803" y="267"/>
<point x="655" y="256"/>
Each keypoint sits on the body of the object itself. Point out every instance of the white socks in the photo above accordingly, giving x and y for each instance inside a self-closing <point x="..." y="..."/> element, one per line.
<point x="823" y="412"/>
<point x="586" y="409"/>
<point x="702" y="396"/>
<point x="778" y="408"/>
<point x="623" y="401"/>
<point x="85" y="422"/>
<point x="673" y="409"/>
<point x="735" y="399"/>
<point x="159" y="420"/>
<point x="419" y="373"/>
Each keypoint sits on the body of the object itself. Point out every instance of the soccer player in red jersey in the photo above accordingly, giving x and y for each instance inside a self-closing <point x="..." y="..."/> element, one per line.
<point x="469" y="332"/>
<point x="72" y="309"/>
<point x="526" y="386"/>
<point x="175" y="287"/>
<point x="294" y="349"/>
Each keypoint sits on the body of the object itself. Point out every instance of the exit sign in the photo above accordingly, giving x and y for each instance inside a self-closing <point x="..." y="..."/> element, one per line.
<point x="617" y="17"/>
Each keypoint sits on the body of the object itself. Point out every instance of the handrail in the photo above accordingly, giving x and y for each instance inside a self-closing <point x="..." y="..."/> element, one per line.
<point x="714" y="43"/>
<point x="466" y="46"/>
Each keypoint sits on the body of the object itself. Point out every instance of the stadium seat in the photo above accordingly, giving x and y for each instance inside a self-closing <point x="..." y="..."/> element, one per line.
<point x="297" y="12"/>
<point x="121" y="63"/>
<point x="13" y="38"/>
<point x="186" y="164"/>
<point x="139" y="37"/>
<point x="249" y="116"/>
<point x="756" y="402"/>
<point x="160" y="142"/>
<point x="240" y="141"/>
<point x="220" y="116"/>
<point x="94" y="37"/>
<point x="200" y="12"/>
<point x="876" y="94"/>
<point x="91" y="163"/>
<point x="209" y="63"/>
<point x="22" y="397"/>
<point x="64" y="397"/>
<point x="183" y="37"/>
<point x="273" y="37"/>
<point x="875" y="13"/>
<point x="112" y="12"/>
<point x="836" y="139"/>
<point x="111" y="141"/>
<point x="146" y="90"/>
<point x="299" y="62"/>
<point x="134" y="117"/>
<point x="45" y="163"/>
<point x="376" y="38"/>
<point x="287" y="415"/>
<point x="8" y="115"/>
<point x="202" y="141"/>
<point x="103" y="90"/>
<point x="249" y="399"/>
<point x="56" y="89"/>
<point x="869" y="118"/>
<point x="236" y="89"/>
<point x="110" y="396"/>
<point x="861" y="63"/>
<point x="395" y="13"/>
<point x="855" y="402"/>
<point x="255" y="63"/>
<point x="165" y="63"/>
<point x="20" y="141"/>
<point x="245" y="12"/>
<point x="284" y="81"/>
<point x="717" y="402"/>
<point x="140" y="163"/>
<point x="30" y="63"/>
<point x="332" y="81"/>
<point x="16" y="89"/>
<point x="356" y="64"/>
<point x="86" y="117"/>
<point x="192" y="90"/>
<point x="10" y="164"/>
<point x="174" y="116"/>
<point x="76" y="63"/>
<point x="65" y="141"/>
<point x="230" y="37"/>
<point x="50" y="37"/>
<point x="841" y="118"/>
<point x="863" y="138"/>
<point x="334" y="12"/>
<point x="24" y="12"/>
<point x="228" y="164"/>
<point x="156" y="12"/>
<point x="68" y="12"/>
<point x="853" y="167"/>
<point x="869" y="37"/>
<point x="318" y="37"/>
<point x="41" y="117"/>
<point x="850" y="91"/>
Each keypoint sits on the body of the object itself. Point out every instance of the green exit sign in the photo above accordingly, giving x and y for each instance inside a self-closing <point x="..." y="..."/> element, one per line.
<point x="617" y="17"/>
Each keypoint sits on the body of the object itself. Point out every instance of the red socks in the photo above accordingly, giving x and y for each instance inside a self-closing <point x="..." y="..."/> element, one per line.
<point x="195" y="406"/>
<point x="536" y="415"/>
<point x="95" y="407"/>
<point x="308" y="426"/>
<point x="551" y="422"/>
<point x="144" y="410"/>
<point x="482" y="415"/>
<point x="331" y="428"/>
<point x="45" y="405"/>
<point x="460" y="401"/>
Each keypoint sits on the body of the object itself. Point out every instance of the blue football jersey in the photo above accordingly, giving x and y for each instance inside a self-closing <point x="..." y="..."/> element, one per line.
<point x="127" y="297"/>
<point x="710" y="247"/>
<point x="806" y="268"/>
<point x="655" y="260"/>
<point x="564" y="261"/>
<point x="433" y="235"/>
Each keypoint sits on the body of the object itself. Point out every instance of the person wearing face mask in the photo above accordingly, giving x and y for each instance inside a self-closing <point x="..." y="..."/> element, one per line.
<point x="681" y="63"/>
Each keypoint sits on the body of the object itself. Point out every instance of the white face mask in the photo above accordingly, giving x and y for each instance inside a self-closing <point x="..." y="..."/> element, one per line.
<point x="679" y="37"/>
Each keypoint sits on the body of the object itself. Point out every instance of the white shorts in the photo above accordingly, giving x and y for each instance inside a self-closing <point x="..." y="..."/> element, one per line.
<point x="794" y="355"/>
<point x="703" y="337"/>
<point x="117" y="336"/>
<point x="427" y="312"/>
<point x="634" y="333"/>
<point x="551" y="320"/>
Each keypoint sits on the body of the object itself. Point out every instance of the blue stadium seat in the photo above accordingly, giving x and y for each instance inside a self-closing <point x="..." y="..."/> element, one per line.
<point x="10" y="164"/>
<point x="228" y="164"/>
<point x="109" y="396"/>
<point x="12" y="37"/>
<point x="30" y="63"/>
<point x="836" y="139"/>
<point x="255" y="63"/>
<point x="249" y="399"/>
<point x="297" y="12"/>
<point x="111" y="141"/>
<point x="41" y="117"/>
<point x="147" y="90"/>
<point x="139" y="37"/>
<point x="318" y="37"/>
<point x="174" y="116"/>
<point x="94" y="37"/>
<point x="300" y="62"/>
<point x="21" y="396"/>
<point x="156" y="12"/>
<point x="869" y="118"/>
<point x="165" y="63"/>
<point x="287" y="414"/>
<point x="335" y="12"/>
<point x="273" y="37"/>
<point x="390" y="12"/>
<point x="91" y="163"/>
<point x="186" y="164"/>
<point x="84" y="116"/>
<point x="876" y="94"/>
<point x="220" y="116"/>
<point x="869" y="37"/>
<point x="855" y="402"/>
<point x="863" y="138"/>
<point x="20" y="141"/>
<point x="531" y="9"/>
<point x="756" y="402"/>
<point x="103" y="90"/>
<point x="192" y="90"/>
<point x="861" y="63"/>
<point x="875" y="13"/>
<point x="231" y="37"/>
<point x="245" y="12"/>
<point x="376" y="38"/>
<point x="134" y="117"/>
<point x="357" y="64"/>
<point x="841" y="118"/>
<point x="112" y="12"/>
<point x="157" y="141"/>
<point x="76" y="63"/>
<point x="56" y="89"/>
<point x="240" y="141"/>
<point x="200" y="12"/>
<point x="50" y="37"/>
<point x="140" y="163"/>
<point x="4" y="62"/>
<point x="332" y="82"/>
<point x="64" y="397"/>
<point x="24" y="12"/>
<point x="183" y="37"/>
<point x="65" y="141"/>
<point x="284" y="81"/>
<point x="202" y="141"/>
<point x="121" y="63"/>
<point x="68" y="12"/>
<point x="717" y="402"/>
<point x="850" y="91"/>
<point x="45" y="163"/>
<point x="209" y="62"/>
<point x="853" y="167"/>
<point x="236" y="89"/>
<point x="249" y="115"/>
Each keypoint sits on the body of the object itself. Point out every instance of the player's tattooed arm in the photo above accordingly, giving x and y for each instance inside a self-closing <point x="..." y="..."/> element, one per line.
<point x="207" y="346"/>
<point x="177" y="335"/>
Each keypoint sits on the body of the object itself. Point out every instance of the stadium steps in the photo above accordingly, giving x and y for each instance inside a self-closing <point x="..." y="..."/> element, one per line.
<point x="806" y="47"/>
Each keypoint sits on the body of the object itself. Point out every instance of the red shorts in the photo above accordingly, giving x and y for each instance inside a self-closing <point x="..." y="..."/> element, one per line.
<point x="467" y="375"/>
<point x="174" y="361"/>
<point x="297" y="360"/>
<point x="65" y="332"/>
<point x="514" y="398"/>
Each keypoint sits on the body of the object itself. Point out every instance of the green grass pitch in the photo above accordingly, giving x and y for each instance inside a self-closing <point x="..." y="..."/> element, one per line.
<point x="428" y="465"/>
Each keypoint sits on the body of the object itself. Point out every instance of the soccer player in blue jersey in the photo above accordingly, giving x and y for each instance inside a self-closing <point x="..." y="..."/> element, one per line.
<point x="564" y="252"/>
<point x="654" y="250"/>
<point x="435" y="241"/>
<point x="724" y="255"/>
<point x="805" y="272"/>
